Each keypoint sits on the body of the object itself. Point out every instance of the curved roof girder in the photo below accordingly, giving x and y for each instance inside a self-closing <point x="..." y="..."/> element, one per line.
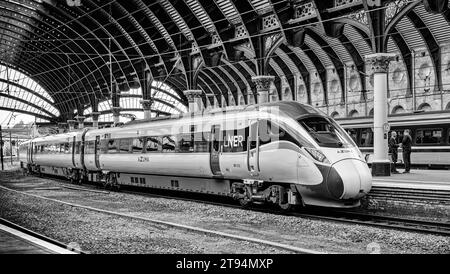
<point x="27" y="103"/>
<point x="26" y="112"/>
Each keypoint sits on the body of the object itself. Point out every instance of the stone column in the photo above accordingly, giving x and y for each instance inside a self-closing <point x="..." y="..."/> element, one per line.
<point x="263" y="84"/>
<point x="379" y="63"/>
<point x="116" y="114"/>
<point x="194" y="99"/>
<point x="95" y="116"/>
<point x="71" y="124"/>
<point x="147" y="107"/>
<point x="80" y="120"/>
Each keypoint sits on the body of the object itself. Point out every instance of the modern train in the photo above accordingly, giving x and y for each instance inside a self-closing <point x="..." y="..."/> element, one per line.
<point x="430" y="132"/>
<point x="284" y="153"/>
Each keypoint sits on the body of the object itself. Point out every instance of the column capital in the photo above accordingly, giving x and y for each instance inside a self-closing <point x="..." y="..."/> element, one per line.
<point x="191" y="94"/>
<point x="95" y="114"/>
<point x="147" y="103"/>
<point x="71" y="122"/>
<point x="116" y="110"/>
<point x="263" y="82"/>
<point x="379" y="62"/>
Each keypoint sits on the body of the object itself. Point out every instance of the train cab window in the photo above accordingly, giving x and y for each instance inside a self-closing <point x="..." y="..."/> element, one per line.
<point x="366" y="137"/>
<point x="169" y="143"/>
<point x="326" y="132"/>
<point x="429" y="136"/>
<point x="138" y="145"/>
<point x="153" y="144"/>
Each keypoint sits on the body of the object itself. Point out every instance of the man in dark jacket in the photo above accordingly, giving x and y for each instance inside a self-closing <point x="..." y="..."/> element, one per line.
<point x="406" y="146"/>
<point x="393" y="150"/>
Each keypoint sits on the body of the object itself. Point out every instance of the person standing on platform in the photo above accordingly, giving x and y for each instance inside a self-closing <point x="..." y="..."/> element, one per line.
<point x="393" y="150"/>
<point x="406" y="146"/>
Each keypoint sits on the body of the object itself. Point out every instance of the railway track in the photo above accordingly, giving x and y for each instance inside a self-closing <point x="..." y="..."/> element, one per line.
<point x="352" y="217"/>
<point x="40" y="236"/>
<point x="199" y="230"/>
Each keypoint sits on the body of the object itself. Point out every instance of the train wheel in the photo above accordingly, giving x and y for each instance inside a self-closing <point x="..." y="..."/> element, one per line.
<point x="286" y="206"/>
<point x="244" y="202"/>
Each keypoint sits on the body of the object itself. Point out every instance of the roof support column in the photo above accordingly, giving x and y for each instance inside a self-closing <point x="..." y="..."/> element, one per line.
<point x="379" y="63"/>
<point x="194" y="99"/>
<point x="147" y="107"/>
<point x="263" y="84"/>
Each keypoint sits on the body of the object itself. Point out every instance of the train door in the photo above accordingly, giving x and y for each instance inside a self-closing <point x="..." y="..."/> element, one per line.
<point x="73" y="151"/>
<point x="253" y="148"/>
<point x="215" y="150"/>
<point x="97" y="151"/>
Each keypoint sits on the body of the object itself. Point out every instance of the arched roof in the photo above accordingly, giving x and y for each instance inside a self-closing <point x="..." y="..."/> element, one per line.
<point x="65" y="46"/>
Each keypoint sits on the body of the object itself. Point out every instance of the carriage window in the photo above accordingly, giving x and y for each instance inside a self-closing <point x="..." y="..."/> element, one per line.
<point x="77" y="147"/>
<point x="153" y="144"/>
<point x="125" y="145"/>
<point x="187" y="143"/>
<point x="429" y="136"/>
<point x="89" y="147"/>
<point x="201" y="141"/>
<point x="113" y="145"/>
<point x="138" y="145"/>
<point x="169" y="143"/>
<point x="326" y="132"/>
<point x="448" y="136"/>
<point x="366" y="137"/>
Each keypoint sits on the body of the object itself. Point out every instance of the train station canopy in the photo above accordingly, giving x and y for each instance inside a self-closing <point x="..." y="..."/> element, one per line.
<point x="62" y="57"/>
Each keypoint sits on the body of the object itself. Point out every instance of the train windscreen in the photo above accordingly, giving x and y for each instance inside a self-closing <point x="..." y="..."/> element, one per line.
<point x="326" y="132"/>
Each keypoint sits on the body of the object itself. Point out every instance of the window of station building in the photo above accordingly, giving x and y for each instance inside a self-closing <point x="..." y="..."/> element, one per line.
<point x="169" y="143"/>
<point x="366" y="137"/>
<point x="353" y="134"/>
<point x="429" y="136"/>
<point x="154" y="144"/>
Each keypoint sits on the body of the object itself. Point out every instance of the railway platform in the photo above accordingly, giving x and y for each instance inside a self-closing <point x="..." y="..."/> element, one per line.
<point x="416" y="179"/>
<point x="13" y="241"/>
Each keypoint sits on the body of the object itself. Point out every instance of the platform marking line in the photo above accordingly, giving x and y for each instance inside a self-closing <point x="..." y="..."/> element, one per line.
<point x="35" y="241"/>
<point x="186" y="227"/>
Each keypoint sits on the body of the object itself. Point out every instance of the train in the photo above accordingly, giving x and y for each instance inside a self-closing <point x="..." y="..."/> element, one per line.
<point x="284" y="153"/>
<point x="430" y="132"/>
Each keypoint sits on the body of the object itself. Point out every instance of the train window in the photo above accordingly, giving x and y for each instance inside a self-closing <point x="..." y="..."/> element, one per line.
<point x="77" y="147"/>
<point x="125" y="145"/>
<point x="186" y="142"/>
<point x="448" y="136"/>
<point x="104" y="145"/>
<point x="326" y="132"/>
<point x="169" y="143"/>
<point x="138" y="145"/>
<point x="67" y="148"/>
<point x="113" y="146"/>
<point x="153" y="144"/>
<point x="429" y="136"/>
<point x="89" y="147"/>
<point x="201" y="141"/>
<point x="366" y="137"/>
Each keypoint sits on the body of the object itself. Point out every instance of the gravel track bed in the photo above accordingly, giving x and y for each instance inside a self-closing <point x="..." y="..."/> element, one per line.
<point x="318" y="235"/>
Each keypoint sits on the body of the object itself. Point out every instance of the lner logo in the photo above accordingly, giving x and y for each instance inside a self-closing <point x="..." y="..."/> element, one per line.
<point x="233" y="141"/>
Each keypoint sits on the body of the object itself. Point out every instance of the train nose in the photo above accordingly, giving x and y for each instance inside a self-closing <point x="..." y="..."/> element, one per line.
<point x="355" y="177"/>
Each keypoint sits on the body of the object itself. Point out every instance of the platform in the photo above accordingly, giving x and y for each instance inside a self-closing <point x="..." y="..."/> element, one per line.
<point x="16" y="242"/>
<point x="417" y="179"/>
